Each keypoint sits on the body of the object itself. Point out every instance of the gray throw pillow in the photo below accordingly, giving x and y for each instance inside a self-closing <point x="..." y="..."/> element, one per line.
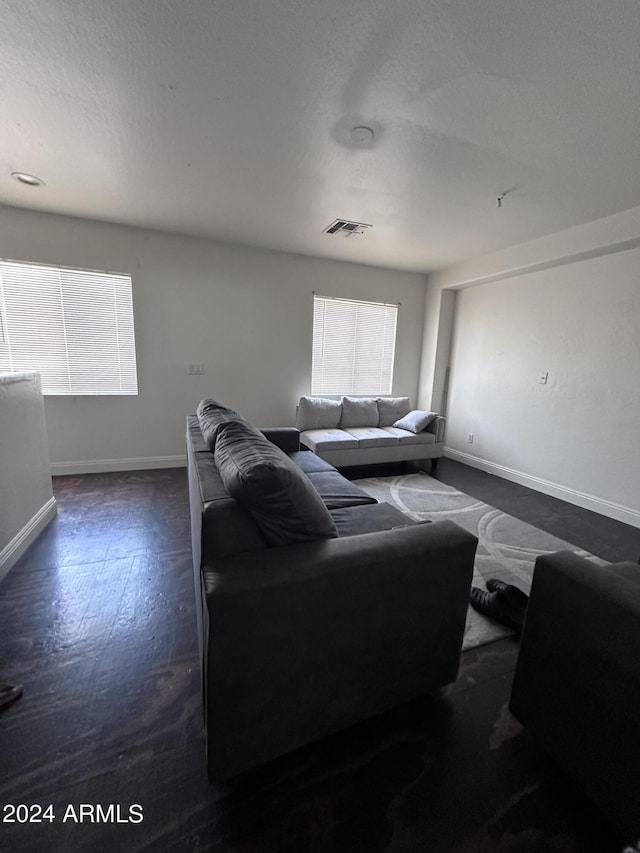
<point x="211" y="415"/>
<point x="416" y="421"/>
<point x="270" y="486"/>
<point x="359" y="412"/>
<point x="391" y="409"/>
<point x="318" y="413"/>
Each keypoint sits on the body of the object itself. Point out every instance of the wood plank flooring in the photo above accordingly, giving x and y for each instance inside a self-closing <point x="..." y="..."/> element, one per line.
<point x="97" y="622"/>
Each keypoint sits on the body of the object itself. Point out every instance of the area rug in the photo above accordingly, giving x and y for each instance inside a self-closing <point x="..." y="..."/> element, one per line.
<point x="507" y="547"/>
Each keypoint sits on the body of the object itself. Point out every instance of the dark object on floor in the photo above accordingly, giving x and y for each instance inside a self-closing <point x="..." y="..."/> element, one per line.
<point x="498" y="606"/>
<point x="577" y="681"/>
<point x="509" y="592"/>
<point x="9" y="693"/>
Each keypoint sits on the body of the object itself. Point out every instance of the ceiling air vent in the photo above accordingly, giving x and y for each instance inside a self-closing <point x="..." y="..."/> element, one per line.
<point x="345" y="228"/>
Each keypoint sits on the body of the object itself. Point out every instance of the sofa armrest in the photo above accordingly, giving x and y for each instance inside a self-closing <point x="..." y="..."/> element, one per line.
<point x="286" y="438"/>
<point x="309" y="638"/>
<point x="396" y="554"/>
<point x="437" y="427"/>
<point x="577" y="681"/>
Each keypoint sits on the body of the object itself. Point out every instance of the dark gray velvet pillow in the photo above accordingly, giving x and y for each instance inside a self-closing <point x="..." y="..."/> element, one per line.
<point x="211" y="416"/>
<point x="266" y="482"/>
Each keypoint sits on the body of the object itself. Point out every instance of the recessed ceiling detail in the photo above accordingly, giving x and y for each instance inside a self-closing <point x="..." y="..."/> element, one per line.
<point x="346" y="228"/>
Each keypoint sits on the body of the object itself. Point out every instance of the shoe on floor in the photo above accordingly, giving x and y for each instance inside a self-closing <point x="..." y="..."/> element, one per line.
<point x="514" y="596"/>
<point x="9" y="693"/>
<point x="495" y="606"/>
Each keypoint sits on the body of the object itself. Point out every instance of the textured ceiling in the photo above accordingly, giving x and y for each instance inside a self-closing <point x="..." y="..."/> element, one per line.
<point x="233" y="119"/>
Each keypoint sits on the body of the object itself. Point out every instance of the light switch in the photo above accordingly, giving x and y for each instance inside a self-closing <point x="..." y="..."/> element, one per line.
<point x="542" y="378"/>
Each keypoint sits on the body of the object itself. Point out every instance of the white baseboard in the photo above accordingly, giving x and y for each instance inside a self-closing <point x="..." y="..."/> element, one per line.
<point x="599" y="505"/>
<point x="100" y="466"/>
<point x="12" y="552"/>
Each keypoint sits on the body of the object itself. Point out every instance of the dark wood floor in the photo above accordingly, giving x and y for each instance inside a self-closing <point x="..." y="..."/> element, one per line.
<point x="97" y="622"/>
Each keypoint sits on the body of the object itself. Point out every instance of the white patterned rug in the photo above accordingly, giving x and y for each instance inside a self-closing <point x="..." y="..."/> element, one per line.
<point x="507" y="547"/>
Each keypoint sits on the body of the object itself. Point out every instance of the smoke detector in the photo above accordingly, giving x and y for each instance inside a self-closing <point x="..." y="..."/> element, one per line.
<point x="362" y="136"/>
<point x="346" y="228"/>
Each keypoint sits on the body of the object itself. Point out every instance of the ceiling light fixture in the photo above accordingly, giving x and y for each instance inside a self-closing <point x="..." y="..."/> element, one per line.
<point x="29" y="180"/>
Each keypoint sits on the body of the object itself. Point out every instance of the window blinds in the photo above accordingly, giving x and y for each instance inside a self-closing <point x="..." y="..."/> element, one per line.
<point x="75" y="327"/>
<point x="353" y="346"/>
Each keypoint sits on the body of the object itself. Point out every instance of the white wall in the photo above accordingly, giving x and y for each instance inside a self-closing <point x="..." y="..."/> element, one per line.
<point x="26" y="496"/>
<point x="575" y="314"/>
<point x="246" y="313"/>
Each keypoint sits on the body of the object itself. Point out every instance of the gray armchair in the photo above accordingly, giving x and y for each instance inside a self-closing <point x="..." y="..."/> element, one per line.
<point x="577" y="680"/>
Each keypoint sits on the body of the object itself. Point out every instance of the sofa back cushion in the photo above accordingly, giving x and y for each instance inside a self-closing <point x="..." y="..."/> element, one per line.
<point x="211" y="415"/>
<point x="266" y="482"/>
<point x="391" y="409"/>
<point x="318" y="413"/>
<point x="228" y="528"/>
<point x="359" y="412"/>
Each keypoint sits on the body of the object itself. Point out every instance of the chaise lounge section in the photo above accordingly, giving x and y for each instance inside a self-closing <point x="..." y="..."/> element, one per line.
<point x="370" y="430"/>
<point x="317" y="607"/>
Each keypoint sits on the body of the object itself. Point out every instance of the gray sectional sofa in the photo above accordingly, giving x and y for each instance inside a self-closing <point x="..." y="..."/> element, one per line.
<point x="369" y="430"/>
<point x="316" y="606"/>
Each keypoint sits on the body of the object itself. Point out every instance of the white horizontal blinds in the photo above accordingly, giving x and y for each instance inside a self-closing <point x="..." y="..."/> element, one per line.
<point x="32" y="319"/>
<point x="353" y="346"/>
<point x="73" y="326"/>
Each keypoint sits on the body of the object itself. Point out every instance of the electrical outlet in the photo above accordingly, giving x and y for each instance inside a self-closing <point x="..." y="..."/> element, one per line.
<point x="196" y="369"/>
<point x="470" y="438"/>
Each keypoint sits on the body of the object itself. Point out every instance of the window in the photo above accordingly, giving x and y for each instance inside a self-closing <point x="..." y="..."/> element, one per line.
<point x="353" y="346"/>
<point x="75" y="327"/>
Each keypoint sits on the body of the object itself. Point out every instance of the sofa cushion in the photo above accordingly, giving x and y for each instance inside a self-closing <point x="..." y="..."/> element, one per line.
<point x="328" y="439"/>
<point x="372" y="436"/>
<point x="336" y="491"/>
<point x="229" y="528"/>
<point x="209" y="479"/>
<point x="318" y="413"/>
<point x="309" y="462"/>
<point x="406" y="437"/>
<point x="211" y="415"/>
<point x="369" y="519"/>
<point x="416" y="421"/>
<point x="391" y="409"/>
<point x="266" y="482"/>
<point x="359" y="412"/>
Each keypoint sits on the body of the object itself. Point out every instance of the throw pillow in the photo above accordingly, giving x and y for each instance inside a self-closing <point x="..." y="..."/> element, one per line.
<point x="416" y="421"/>
<point x="359" y="412"/>
<point x="211" y="415"/>
<point x="391" y="409"/>
<point x="270" y="486"/>
<point x="318" y="413"/>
